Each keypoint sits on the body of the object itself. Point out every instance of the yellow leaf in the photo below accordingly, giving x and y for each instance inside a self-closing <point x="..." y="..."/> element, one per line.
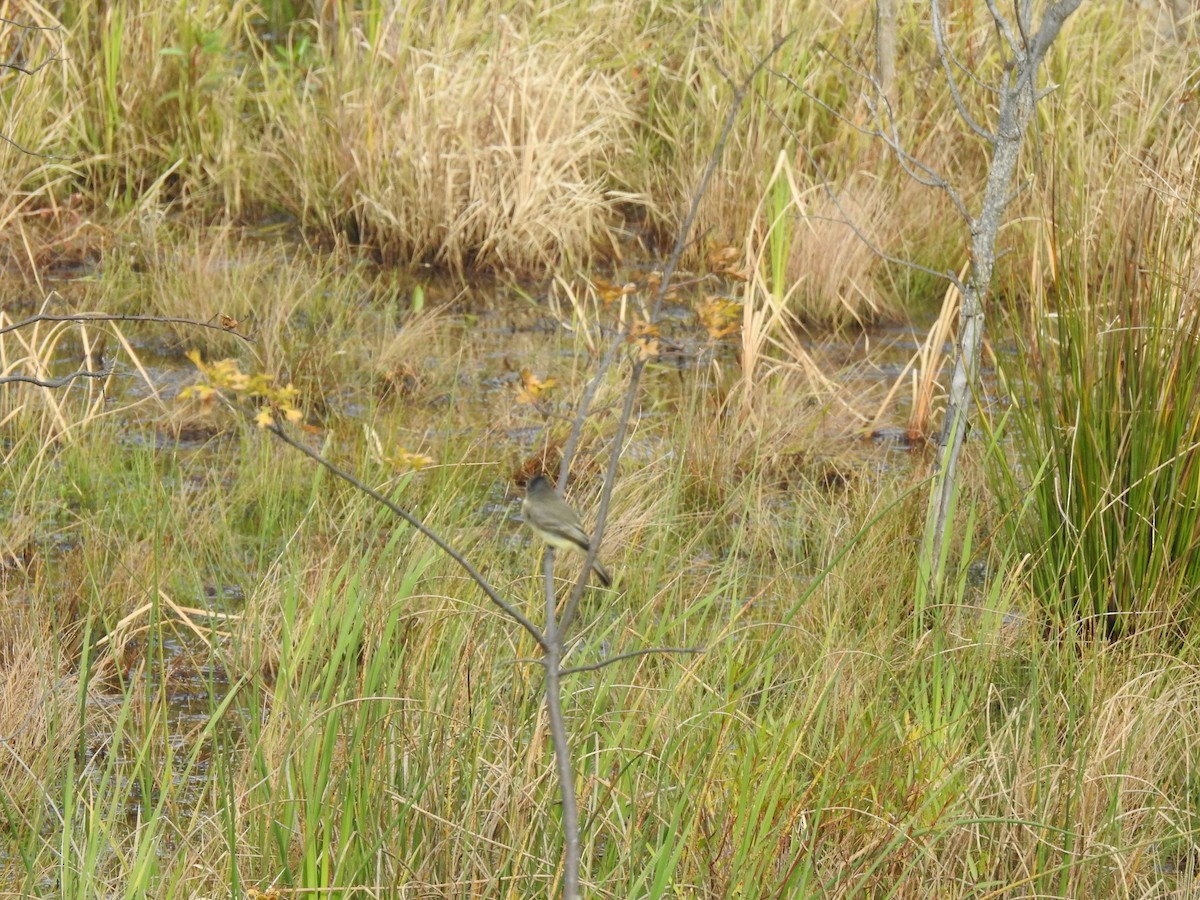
<point x="610" y="292"/>
<point x="264" y="419"/>
<point x="532" y="387"/>
<point x="405" y="460"/>
<point x="720" y="316"/>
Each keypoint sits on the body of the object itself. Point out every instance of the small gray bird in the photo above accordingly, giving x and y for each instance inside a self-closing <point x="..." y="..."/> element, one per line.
<point x="549" y="517"/>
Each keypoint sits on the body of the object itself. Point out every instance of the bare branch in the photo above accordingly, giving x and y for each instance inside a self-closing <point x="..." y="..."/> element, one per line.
<point x="416" y="523"/>
<point x="29" y="152"/>
<point x="559" y="737"/>
<point x="610" y="477"/>
<point x="106" y="317"/>
<point x="585" y="402"/>
<point x="944" y="56"/>
<point x="25" y="70"/>
<point x="912" y="166"/>
<point x="1045" y="92"/>
<point x="552" y="644"/>
<point x="1002" y="26"/>
<point x="681" y="243"/>
<point x="574" y="670"/>
<point x="848" y="221"/>
<point x="28" y="27"/>
<point x="1017" y="107"/>
<point x="1052" y="22"/>
<point x="714" y="160"/>
<point x="1024" y="11"/>
<point x="58" y="382"/>
<point x="885" y="49"/>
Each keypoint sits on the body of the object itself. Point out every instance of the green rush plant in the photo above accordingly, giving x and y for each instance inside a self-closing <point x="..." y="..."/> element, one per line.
<point x="1106" y="460"/>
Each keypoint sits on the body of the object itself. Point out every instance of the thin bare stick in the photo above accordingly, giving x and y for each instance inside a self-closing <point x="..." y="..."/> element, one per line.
<point x="1002" y="25"/>
<point x="553" y="643"/>
<point x="26" y="150"/>
<point x="58" y="382"/>
<point x="581" y="413"/>
<point x="33" y="71"/>
<point x="28" y="27"/>
<point x="610" y="476"/>
<point x="681" y="242"/>
<point x="714" y="160"/>
<point x="416" y="523"/>
<point x="108" y="317"/>
<point x="593" y="667"/>
<point x="847" y="220"/>
<point x="25" y="70"/>
<point x="944" y="55"/>
<point x="559" y="738"/>
<point x="917" y="170"/>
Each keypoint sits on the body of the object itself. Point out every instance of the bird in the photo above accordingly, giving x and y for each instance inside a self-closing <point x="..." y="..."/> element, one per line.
<point x="551" y="519"/>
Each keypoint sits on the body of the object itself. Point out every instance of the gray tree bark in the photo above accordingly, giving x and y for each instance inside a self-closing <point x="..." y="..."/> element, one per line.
<point x="1018" y="97"/>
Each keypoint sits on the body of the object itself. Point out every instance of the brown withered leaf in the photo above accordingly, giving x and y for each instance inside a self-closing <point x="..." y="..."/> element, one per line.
<point x="723" y="260"/>
<point x="646" y="335"/>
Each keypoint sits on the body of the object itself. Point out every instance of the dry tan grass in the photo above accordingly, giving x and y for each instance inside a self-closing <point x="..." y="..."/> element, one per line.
<point x="216" y="273"/>
<point x="831" y="261"/>
<point x="1109" y="768"/>
<point x="520" y="151"/>
<point x="35" y="157"/>
<point x="37" y="696"/>
<point x="494" y="154"/>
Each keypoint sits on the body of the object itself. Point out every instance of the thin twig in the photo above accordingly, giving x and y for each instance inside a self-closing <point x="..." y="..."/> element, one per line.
<point x="917" y="170"/>
<point x="54" y="57"/>
<point x="33" y="71"/>
<point x="714" y="160"/>
<point x="553" y="641"/>
<point x="581" y="414"/>
<point x="950" y="276"/>
<point x="681" y="243"/>
<point x="610" y="477"/>
<point x="27" y="27"/>
<point x="107" y="317"/>
<point x="24" y="70"/>
<point x="416" y="523"/>
<point x="29" y="152"/>
<point x="944" y="54"/>
<point x="58" y="382"/>
<point x="1002" y="25"/>
<point x="559" y="737"/>
<point x="593" y="667"/>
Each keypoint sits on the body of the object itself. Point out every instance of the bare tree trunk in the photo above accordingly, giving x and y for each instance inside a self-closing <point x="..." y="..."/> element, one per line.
<point x="1018" y="98"/>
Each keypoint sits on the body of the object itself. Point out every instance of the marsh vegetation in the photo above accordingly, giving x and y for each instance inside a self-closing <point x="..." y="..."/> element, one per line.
<point x="227" y="673"/>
